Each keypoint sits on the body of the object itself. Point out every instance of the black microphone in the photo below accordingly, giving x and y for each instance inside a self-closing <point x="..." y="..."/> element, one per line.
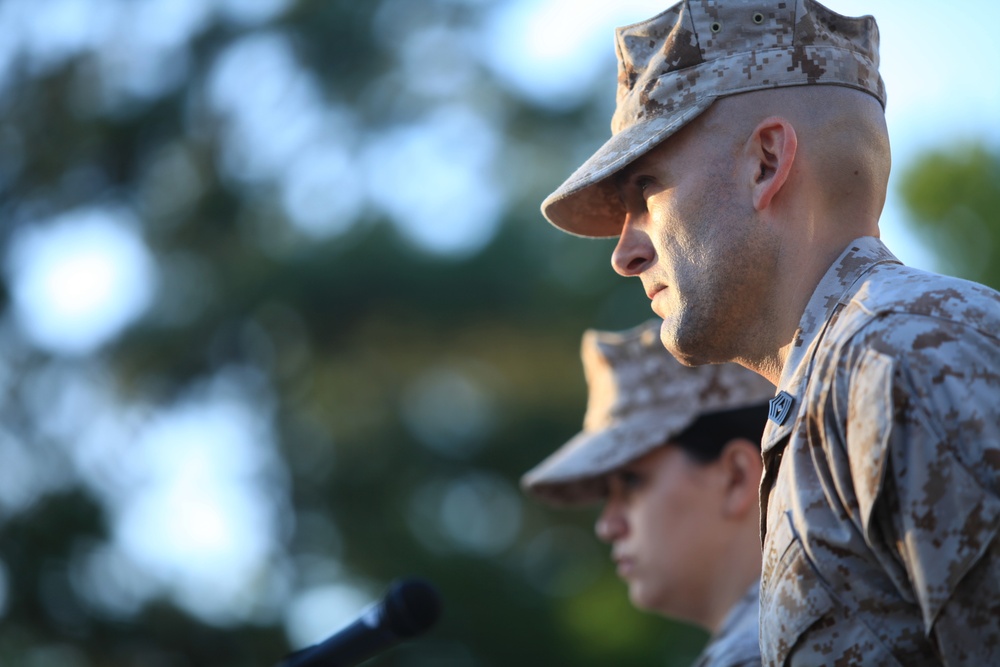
<point x="410" y="607"/>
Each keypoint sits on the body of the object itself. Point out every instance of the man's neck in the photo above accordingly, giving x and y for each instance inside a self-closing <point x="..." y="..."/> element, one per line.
<point x="796" y="279"/>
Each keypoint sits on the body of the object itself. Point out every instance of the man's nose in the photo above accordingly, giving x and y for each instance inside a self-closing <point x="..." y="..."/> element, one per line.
<point x="634" y="251"/>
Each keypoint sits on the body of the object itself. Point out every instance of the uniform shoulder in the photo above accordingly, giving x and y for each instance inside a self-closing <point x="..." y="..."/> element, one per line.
<point x="896" y="288"/>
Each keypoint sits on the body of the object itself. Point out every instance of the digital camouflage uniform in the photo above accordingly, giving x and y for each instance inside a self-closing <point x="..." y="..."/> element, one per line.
<point x="881" y="491"/>
<point x="736" y="644"/>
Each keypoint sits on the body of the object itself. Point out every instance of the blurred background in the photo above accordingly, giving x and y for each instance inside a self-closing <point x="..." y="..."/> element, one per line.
<point x="280" y="320"/>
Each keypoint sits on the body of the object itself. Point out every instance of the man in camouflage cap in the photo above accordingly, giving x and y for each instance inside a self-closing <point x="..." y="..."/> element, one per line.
<point x="673" y="452"/>
<point x="744" y="180"/>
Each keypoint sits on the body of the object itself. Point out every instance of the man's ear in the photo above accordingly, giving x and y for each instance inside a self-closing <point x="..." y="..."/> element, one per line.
<point x="742" y="464"/>
<point x="772" y="147"/>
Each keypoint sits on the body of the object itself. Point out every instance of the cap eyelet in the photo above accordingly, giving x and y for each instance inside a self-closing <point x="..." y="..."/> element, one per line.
<point x="758" y="18"/>
<point x="716" y="26"/>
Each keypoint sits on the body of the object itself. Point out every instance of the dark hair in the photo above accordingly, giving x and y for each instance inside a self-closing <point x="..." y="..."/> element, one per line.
<point x="705" y="439"/>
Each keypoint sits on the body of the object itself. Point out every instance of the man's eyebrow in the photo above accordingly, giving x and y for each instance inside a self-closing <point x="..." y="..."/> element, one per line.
<point x="621" y="179"/>
<point x="618" y="182"/>
<point x="625" y="173"/>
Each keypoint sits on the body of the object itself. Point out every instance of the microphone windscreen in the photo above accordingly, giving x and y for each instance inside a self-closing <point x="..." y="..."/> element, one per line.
<point x="412" y="606"/>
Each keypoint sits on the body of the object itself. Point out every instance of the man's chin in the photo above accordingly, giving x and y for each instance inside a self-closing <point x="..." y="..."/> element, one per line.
<point x="690" y="349"/>
<point x="681" y="352"/>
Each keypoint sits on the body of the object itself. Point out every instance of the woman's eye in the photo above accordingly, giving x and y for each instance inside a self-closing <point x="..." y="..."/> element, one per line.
<point x="629" y="479"/>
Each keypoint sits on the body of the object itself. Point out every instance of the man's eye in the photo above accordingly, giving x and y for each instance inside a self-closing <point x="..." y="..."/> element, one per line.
<point x="643" y="183"/>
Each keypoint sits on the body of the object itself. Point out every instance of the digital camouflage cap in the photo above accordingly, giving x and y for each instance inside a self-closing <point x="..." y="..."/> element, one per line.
<point x="673" y="66"/>
<point x="639" y="398"/>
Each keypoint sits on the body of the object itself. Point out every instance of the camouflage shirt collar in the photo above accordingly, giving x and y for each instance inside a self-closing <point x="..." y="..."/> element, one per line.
<point x="835" y="288"/>
<point x="737" y="640"/>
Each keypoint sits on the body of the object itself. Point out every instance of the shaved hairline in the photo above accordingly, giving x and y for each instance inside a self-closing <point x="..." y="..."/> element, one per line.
<point x="841" y="133"/>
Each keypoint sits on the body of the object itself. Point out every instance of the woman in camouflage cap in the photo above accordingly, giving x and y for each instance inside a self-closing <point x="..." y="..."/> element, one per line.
<point x="673" y="453"/>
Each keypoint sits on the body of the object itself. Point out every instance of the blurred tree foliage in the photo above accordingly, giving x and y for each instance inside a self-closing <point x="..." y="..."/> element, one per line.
<point x="411" y="389"/>
<point x="954" y="198"/>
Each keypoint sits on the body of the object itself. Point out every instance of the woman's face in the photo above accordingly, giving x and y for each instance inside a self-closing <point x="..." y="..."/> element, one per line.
<point x="659" y="518"/>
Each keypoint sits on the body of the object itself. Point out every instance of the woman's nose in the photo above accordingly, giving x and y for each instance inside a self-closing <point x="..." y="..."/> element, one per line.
<point x="610" y="524"/>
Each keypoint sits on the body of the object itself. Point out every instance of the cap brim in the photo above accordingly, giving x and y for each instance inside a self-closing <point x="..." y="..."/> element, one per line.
<point x="573" y="474"/>
<point x="587" y="204"/>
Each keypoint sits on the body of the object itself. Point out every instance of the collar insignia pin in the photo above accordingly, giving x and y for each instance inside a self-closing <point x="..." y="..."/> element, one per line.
<point x="778" y="407"/>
